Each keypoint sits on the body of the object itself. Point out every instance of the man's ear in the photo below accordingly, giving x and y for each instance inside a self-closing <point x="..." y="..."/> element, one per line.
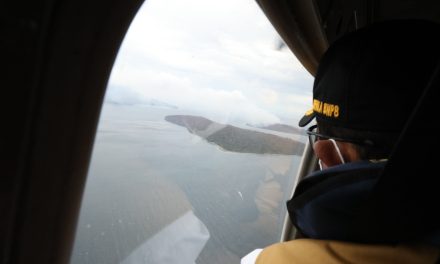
<point x="327" y="153"/>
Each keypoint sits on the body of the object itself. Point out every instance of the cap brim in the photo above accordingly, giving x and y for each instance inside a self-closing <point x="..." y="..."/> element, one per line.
<point x="306" y="119"/>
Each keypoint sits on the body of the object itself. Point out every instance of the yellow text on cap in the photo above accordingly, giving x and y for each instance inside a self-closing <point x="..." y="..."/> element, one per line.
<point x="329" y="110"/>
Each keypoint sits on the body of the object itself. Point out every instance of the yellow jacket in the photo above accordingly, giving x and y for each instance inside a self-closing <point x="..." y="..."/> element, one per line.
<point x="329" y="252"/>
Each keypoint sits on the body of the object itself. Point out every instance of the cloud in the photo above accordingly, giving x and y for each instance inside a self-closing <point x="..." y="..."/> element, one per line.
<point x="213" y="57"/>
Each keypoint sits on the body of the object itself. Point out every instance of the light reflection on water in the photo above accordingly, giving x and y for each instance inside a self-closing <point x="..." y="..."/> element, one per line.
<point x="146" y="173"/>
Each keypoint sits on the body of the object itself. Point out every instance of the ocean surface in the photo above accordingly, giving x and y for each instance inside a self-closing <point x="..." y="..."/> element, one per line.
<point x="156" y="193"/>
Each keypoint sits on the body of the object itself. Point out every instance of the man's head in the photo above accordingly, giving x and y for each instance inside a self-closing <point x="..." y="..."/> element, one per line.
<point x="368" y="83"/>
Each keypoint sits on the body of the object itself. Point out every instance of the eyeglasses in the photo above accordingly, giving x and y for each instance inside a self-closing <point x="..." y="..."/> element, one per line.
<point x="315" y="136"/>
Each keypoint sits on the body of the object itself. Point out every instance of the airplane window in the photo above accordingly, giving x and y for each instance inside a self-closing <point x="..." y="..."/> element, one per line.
<point x="197" y="147"/>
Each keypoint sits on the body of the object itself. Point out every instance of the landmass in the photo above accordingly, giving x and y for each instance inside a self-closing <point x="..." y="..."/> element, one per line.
<point x="284" y="128"/>
<point x="237" y="139"/>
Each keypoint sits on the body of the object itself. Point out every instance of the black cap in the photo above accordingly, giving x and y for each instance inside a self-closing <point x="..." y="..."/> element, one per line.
<point x="371" y="79"/>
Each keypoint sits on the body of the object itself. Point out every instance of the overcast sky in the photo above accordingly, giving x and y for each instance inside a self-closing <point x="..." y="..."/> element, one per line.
<point x="215" y="58"/>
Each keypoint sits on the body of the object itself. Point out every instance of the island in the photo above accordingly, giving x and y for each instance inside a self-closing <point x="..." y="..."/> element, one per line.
<point x="232" y="138"/>
<point x="284" y="128"/>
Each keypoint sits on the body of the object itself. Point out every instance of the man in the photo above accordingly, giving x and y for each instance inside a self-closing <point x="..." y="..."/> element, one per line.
<point x="367" y="85"/>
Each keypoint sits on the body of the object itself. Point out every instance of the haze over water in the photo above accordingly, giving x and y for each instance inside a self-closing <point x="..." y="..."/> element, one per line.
<point x="147" y="173"/>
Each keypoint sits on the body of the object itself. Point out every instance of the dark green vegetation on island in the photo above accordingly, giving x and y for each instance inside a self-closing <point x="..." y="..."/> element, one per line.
<point x="237" y="139"/>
